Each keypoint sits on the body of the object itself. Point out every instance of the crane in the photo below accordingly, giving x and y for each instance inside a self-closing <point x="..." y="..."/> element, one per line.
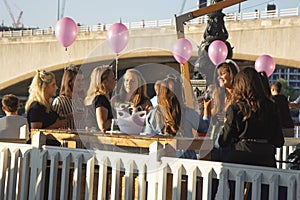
<point x="182" y="6"/>
<point x="16" y="24"/>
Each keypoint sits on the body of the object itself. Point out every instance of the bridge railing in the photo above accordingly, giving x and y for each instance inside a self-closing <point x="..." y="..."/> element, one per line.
<point x="28" y="172"/>
<point x="161" y="23"/>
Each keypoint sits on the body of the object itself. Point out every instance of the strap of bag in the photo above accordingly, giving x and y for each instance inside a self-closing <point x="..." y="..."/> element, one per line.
<point x="244" y="131"/>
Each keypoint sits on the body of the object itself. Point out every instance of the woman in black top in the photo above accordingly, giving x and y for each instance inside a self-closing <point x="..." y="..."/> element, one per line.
<point x="102" y="83"/>
<point x="252" y="125"/>
<point x="40" y="114"/>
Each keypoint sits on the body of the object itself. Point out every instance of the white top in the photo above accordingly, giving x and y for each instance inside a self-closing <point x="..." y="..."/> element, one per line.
<point x="10" y="126"/>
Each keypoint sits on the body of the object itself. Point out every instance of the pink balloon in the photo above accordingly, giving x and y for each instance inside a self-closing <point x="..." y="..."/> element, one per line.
<point x="66" y="31"/>
<point x="182" y="50"/>
<point x="117" y="37"/>
<point x="217" y="51"/>
<point x="265" y="63"/>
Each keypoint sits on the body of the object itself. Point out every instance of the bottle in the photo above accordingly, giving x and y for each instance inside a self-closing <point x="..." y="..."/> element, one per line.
<point x="114" y="125"/>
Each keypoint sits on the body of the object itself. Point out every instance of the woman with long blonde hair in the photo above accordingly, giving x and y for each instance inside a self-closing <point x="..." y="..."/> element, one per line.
<point x="38" y="106"/>
<point x="133" y="91"/>
<point x="99" y="108"/>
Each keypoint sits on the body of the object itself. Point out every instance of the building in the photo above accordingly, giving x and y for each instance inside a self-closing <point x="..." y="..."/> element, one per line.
<point x="291" y="75"/>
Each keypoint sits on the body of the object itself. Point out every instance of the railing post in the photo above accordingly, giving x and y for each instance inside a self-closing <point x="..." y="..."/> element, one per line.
<point x="4" y="158"/>
<point x="38" y="139"/>
<point x="155" y="154"/>
<point x="34" y="156"/>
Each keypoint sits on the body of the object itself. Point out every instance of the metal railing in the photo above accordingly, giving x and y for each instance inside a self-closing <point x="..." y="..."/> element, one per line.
<point x="160" y="23"/>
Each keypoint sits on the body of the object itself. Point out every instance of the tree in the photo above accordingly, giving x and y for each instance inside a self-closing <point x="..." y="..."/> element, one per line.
<point x="287" y="90"/>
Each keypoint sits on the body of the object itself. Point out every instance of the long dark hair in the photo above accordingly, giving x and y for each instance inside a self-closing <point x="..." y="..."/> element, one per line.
<point x="248" y="93"/>
<point x="169" y="99"/>
<point x="219" y="93"/>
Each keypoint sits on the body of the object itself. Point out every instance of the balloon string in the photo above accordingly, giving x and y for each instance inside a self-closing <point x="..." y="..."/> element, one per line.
<point x="117" y="66"/>
<point x="68" y="57"/>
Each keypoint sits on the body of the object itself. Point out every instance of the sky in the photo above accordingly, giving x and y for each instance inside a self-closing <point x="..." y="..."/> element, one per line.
<point x="43" y="13"/>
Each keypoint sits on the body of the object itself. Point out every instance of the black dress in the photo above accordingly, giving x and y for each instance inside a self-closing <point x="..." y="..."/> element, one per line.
<point x="253" y="141"/>
<point x="284" y="111"/>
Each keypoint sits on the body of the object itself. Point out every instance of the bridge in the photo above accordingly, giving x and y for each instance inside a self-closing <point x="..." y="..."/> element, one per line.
<point x="251" y="34"/>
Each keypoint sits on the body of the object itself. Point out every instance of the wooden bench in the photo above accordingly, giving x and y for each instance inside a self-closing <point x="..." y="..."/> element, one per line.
<point x="13" y="140"/>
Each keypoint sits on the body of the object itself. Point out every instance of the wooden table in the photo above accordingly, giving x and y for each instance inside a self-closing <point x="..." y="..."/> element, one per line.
<point x="90" y="140"/>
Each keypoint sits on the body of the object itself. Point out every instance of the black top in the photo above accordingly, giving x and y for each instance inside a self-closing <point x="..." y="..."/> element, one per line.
<point x="284" y="111"/>
<point x="37" y="113"/>
<point x="265" y="128"/>
<point x="102" y="100"/>
<point x="99" y="101"/>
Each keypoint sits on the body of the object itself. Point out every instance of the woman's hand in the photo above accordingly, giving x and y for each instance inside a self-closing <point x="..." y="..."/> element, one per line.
<point x="207" y="107"/>
<point x="60" y="123"/>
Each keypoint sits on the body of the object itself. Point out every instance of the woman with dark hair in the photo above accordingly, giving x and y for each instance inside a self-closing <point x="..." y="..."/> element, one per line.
<point x="69" y="103"/>
<point x="221" y="96"/>
<point x="252" y="126"/>
<point x="172" y="118"/>
<point x="282" y="102"/>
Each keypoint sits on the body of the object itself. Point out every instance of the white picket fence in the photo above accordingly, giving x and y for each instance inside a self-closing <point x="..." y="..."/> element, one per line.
<point x="27" y="172"/>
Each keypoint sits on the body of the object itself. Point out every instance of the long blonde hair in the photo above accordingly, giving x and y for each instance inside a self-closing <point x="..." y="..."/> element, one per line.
<point x="37" y="89"/>
<point x="140" y="94"/>
<point x="98" y="76"/>
<point x="70" y="73"/>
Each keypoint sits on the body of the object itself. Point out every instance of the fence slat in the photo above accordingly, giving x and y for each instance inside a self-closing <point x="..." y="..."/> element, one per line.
<point x="177" y="178"/>
<point x="207" y="184"/>
<point x="239" y="185"/>
<point x="292" y="184"/>
<point x="12" y="188"/>
<point x="256" y="186"/>
<point x="192" y="182"/>
<point x="102" y="182"/>
<point x="142" y="182"/>
<point x="223" y="189"/>
<point x="35" y="155"/>
<point x="115" y="179"/>
<point x="90" y="169"/>
<point x="53" y="176"/>
<point x="4" y="156"/>
<point x="40" y="187"/>
<point x="161" y="187"/>
<point x="65" y="177"/>
<point x="273" y="188"/>
<point x="129" y="182"/>
<point x="77" y="177"/>
<point x="24" y="183"/>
